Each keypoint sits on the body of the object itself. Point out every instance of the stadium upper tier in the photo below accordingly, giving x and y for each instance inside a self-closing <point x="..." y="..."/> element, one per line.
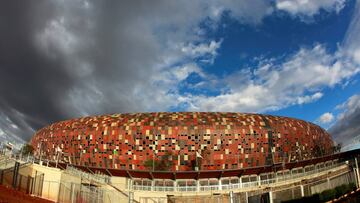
<point x="181" y="141"/>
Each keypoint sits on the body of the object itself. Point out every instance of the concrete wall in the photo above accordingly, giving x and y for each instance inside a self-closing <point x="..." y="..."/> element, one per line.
<point x="119" y="182"/>
<point x="52" y="178"/>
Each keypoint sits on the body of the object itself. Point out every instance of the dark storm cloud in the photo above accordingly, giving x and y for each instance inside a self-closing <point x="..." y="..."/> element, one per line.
<point x="67" y="60"/>
<point x="29" y="82"/>
<point x="347" y="129"/>
<point x="64" y="59"/>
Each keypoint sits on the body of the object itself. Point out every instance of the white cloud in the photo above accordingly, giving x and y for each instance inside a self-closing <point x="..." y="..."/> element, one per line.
<point x="131" y="56"/>
<point x="309" y="98"/>
<point x="182" y="72"/>
<point x="309" y="7"/>
<point x="159" y="48"/>
<point x="326" y="118"/>
<point x="273" y="85"/>
<point x="349" y="107"/>
<point x="206" y="51"/>
<point x="346" y="130"/>
<point x="141" y="56"/>
<point x="351" y="40"/>
<point x="356" y="56"/>
<point x="243" y="11"/>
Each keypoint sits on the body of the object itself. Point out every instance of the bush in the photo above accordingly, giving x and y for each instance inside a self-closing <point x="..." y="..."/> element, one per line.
<point x="161" y="163"/>
<point x="345" y="188"/>
<point x="310" y="199"/>
<point x="327" y="195"/>
<point x="340" y="190"/>
<point x="27" y="149"/>
<point x="352" y="186"/>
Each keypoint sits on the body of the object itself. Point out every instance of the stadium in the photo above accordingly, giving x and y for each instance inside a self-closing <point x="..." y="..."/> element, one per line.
<point x="183" y="157"/>
<point x="183" y="141"/>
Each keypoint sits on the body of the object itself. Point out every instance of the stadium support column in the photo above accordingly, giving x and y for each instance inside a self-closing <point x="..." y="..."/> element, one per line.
<point x="129" y="183"/>
<point x="356" y="179"/>
<point x="357" y="172"/>
<point x="270" y="197"/>
<point x="176" y="189"/>
<point x="152" y="185"/>
<point x="328" y="183"/>
<point x="131" y="197"/>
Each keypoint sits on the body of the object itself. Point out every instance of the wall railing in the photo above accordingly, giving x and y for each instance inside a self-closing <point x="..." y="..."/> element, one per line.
<point x="230" y="183"/>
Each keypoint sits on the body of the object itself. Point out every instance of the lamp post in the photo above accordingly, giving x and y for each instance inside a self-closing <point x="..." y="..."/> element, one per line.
<point x="198" y="156"/>
<point x="58" y="151"/>
<point x="40" y="151"/>
<point x="238" y="158"/>
<point x="153" y="160"/>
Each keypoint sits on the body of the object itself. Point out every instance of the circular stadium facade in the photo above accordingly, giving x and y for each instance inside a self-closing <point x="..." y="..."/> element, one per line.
<point x="181" y="141"/>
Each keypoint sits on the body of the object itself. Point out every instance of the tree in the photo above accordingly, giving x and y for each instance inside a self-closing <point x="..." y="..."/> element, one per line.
<point x="337" y="148"/>
<point x="164" y="163"/>
<point x="318" y="150"/>
<point x="151" y="164"/>
<point x="27" y="149"/>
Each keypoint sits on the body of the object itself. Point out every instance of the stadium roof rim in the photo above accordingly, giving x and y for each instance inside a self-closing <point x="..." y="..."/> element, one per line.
<point x="177" y="112"/>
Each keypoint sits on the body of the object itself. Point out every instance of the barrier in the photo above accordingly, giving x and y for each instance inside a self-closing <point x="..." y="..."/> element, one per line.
<point x="229" y="183"/>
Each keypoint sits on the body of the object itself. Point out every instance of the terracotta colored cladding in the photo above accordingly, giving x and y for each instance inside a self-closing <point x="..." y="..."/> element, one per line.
<point x="181" y="141"/>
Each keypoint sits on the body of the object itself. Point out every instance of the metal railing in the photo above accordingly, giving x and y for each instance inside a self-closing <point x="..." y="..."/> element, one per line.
<point x="228" y="183"/>
<point x="30" y="184"/>
<point x="76" y="192"/>
<point x="100" y="178"/>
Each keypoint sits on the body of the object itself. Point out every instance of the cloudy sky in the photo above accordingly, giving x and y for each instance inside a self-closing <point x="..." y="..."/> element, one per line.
<point x="72" y="58"/>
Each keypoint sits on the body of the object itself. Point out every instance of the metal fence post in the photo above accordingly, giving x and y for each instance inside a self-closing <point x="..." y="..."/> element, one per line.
<point x="356" y="179"/>
<point x="231" y="197"/>
<point x="302" y="190"/>
<point x="72" y="193"/>
<point x="1" y="177"/>
<point x="59" y="193"/>
<point x="28" y="182"/>
<point x="131" y="197"/>
<point x="357" y="172"/>
<point x="33" y="184"/>
<point x="270" y="197"/>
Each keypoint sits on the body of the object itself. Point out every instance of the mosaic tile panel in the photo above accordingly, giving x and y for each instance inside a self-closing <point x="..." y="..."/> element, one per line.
<point x="174" y="141"/>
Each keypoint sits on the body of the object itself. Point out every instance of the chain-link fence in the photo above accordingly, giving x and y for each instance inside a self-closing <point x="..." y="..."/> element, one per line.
<point x="313" y="187"/>
<point x="291" y="191"/>
<point x="28" y="184"/>
<point x="73" y="192"/>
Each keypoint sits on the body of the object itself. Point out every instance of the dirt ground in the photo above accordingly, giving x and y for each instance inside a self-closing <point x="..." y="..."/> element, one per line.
<point x="10" y="195"/>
